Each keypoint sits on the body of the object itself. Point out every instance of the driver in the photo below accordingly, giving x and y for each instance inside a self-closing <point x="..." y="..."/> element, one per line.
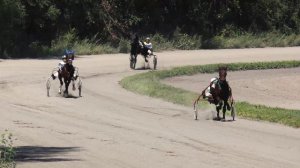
<point x="70" y="54"/>
<point x="61" y="64"/>
<point x="148" y="45"/>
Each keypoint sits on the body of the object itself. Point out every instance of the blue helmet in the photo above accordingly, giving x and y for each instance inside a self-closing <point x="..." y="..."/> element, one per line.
<point x="69" y="52"/>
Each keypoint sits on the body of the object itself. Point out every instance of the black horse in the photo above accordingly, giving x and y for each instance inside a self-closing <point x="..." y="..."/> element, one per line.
<point x="66" y="73"/>
<point x="137" y="47"/>
<point x="221" y="93"/>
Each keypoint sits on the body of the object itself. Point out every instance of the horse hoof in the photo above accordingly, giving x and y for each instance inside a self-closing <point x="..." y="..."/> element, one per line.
<point x="66" y="95"/>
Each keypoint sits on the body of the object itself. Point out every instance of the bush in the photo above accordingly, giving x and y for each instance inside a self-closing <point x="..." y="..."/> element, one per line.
<point x="124" y="46"/>
<point x="7" y="151"/>
<point x="161" y="43"/>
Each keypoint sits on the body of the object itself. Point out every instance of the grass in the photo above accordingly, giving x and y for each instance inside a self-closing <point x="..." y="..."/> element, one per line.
<point x="149" y="84"/>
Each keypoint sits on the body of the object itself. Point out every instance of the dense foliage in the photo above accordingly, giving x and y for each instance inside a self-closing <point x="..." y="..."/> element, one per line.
<point x="27" y="25"/>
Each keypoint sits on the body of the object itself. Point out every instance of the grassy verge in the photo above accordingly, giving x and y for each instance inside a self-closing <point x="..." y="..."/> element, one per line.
<point x="149" y="84"/>
<point x="7" y="151"/>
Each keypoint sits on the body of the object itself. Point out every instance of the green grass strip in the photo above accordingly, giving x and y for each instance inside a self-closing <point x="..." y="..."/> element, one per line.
<point x="149" y="84"/>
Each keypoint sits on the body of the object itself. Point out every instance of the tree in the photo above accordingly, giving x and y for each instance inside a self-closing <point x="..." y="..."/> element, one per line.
<point x="11" y="25"/>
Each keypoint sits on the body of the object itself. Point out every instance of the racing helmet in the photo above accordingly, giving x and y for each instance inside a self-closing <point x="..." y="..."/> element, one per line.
<point x="64" y="57"/>
<point x="213" y="79"/>
<point x="70" y="53"/>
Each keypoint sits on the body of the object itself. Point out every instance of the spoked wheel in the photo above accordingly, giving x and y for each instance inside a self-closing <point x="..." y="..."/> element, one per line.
<point x="196" y="111"/>
<point x="48" y="85"/>
<point x="79" y="86"/>
<point x="233" y="112"/>
<point x="154" y="62"/>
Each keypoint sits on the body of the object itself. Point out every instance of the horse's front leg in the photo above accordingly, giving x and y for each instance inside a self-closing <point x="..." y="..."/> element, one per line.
<point x="135" y="59"/>
<point x="218" y="108"/>
<point x="226" y="105"/>
<point x="61" y="83"/>
<point x="67" y="82"/>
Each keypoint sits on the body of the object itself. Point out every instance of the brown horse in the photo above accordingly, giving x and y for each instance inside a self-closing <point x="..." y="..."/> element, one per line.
<point x="66" y="73"/>
<point x="220" y="93"/>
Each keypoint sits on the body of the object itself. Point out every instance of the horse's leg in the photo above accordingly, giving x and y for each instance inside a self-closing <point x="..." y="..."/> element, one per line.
<point x="134" y="60"/>
<point x="73" y="85"/>
<point x="224" y="108"/>
<point x="218" y="108"/>
<point x="72" y="79"/>
<point x="67" y="82"/>
<point x="218" y="111"/>
<point x="61" y="83"/>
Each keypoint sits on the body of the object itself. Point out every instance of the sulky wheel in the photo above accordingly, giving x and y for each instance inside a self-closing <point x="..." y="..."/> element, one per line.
<point x="79" y="86"/>
<point x="154" y="62"/>
<point x="48" y="85"/>
<point x="196" y="111"/>
<point x="233" y="112"/>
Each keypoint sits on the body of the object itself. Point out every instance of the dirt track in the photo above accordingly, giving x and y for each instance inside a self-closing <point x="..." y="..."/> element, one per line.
<point x="111" y="127"/>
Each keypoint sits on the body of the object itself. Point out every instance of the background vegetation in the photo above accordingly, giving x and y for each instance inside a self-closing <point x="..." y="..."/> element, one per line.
<point x="149" y="84"/>
<point x="46" y="27"/>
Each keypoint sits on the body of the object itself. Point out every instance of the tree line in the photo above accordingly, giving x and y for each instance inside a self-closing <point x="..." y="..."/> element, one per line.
<point x="26" y="23"/>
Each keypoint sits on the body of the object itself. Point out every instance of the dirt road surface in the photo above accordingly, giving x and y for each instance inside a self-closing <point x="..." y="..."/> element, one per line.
<point x="111" y="127"/>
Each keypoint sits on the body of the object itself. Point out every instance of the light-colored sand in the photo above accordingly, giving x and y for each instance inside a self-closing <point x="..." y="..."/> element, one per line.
<point x="111" y="127"/>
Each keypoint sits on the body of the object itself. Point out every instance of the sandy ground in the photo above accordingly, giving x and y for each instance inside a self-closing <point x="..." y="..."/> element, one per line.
<point x="111" y="127"/>
<point x="275" y="88"/>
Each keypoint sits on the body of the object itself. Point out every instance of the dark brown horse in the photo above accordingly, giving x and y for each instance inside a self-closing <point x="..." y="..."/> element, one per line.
<point x="65" y="76"/>
<point x="220" y="92"/>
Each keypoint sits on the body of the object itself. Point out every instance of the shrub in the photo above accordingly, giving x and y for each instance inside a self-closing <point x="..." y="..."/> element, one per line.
<point x="7" y="151"/>
<point x="124" y="46"/>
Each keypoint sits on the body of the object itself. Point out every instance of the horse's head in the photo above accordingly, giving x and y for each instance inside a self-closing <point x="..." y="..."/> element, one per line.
<point x="136" y="45"/>
<point x="222" y="73"/>
<point x="64" y="72"/>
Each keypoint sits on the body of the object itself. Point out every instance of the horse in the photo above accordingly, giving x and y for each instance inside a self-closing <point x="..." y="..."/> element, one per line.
<point x="66" y="73"/>
<point x="137" y="47"/>
<point x="221" y="93"/>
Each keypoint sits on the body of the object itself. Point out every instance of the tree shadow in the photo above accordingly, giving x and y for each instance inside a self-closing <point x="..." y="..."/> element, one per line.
<point x="44" y="154"/>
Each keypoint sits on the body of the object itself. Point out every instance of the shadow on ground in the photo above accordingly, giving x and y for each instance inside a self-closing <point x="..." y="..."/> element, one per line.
<point x="44" y="154"/>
